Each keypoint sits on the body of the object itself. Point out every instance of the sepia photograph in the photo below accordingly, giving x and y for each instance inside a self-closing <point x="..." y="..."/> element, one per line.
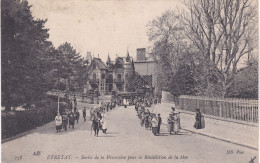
<point x="114" y="81"/>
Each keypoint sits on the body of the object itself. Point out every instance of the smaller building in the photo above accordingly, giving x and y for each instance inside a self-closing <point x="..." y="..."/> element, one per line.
<point x="109" y="77"/>
<point x="113" y="76"/>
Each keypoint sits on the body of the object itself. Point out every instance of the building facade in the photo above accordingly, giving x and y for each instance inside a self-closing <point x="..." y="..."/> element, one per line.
<point x="112" y="76"/>
<point x="146" y="67"/>
<point x="109" y="77"/>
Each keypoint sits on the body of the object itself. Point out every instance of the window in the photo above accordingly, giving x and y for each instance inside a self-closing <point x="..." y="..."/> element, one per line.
<point x="103" y="76"/>
<point x="110" y="76"/>
<point x="119" y="66"/>
<point x="102" y="86"/>
<point x="94" y="66"/>
<point x="94" y="76"/>
<point x="110" y="87"/>
<point x="126" y="75"/>
<point x="118" y="76"/>
<point x="120" y="87"/>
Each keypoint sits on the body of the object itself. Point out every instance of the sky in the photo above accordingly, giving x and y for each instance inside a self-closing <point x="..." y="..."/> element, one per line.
<point x="101" y="26"/>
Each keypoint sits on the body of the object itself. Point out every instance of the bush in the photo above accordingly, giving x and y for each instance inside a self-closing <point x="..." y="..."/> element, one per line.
<point x="20" y="121"/>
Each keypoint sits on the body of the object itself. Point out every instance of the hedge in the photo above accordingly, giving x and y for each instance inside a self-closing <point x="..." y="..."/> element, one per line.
<point x="16" y="122"/>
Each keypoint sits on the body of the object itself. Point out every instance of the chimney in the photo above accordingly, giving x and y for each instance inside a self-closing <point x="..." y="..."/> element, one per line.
<point x="140" y="54"/>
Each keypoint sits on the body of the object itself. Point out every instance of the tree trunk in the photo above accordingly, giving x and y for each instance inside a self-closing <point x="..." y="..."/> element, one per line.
<point x="224" y="89"/>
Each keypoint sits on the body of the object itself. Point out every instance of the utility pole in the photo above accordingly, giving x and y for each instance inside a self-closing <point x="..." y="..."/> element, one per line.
<point x="58" y="104"/>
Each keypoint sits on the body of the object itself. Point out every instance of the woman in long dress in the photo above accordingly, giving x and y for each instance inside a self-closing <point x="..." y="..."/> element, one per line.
<point x="58" y="122"/>
<point x="170" y="123"/>
<point x="176" y="124"/>
<point x="198" y="117"/>
<point x="103" y="123"/>
<point x="154" y="125"/>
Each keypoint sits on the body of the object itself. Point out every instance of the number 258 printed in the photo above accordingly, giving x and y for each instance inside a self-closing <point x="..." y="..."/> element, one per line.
<point x="17" y="158"/>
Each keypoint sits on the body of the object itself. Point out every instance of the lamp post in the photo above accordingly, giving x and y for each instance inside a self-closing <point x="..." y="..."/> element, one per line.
<point x="58" y="104"/>
<point x="58" y="109"/>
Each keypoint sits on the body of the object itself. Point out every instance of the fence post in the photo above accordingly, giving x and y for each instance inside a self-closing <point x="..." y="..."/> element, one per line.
<point x="252" y="113"/>
<point x="220" y="109"/>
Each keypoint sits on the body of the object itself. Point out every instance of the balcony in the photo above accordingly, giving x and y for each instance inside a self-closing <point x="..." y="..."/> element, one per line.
<point x="93" y="81"/>
<point x="109" y="80"/>
<point x="119" y="80"/>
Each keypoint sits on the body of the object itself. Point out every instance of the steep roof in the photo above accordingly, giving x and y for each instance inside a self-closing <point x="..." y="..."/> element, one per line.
<point x="99" y="64"/>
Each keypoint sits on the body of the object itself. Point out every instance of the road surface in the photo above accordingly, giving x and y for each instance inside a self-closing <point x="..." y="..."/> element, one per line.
<point x="126" y="141"/>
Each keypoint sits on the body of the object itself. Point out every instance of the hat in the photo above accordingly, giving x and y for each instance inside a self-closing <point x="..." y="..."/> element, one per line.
<point x="159" y="114"/>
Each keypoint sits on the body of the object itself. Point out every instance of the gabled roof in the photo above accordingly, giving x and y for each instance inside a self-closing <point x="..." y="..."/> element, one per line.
<point x="99" y="63"/>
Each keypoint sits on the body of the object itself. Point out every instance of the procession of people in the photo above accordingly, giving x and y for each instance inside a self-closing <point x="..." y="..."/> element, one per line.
<point x="147" y="118"/>
<point x="145" y="112"/>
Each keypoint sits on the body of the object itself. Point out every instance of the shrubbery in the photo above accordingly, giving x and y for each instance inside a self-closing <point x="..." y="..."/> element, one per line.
<point x="20" y="121"/>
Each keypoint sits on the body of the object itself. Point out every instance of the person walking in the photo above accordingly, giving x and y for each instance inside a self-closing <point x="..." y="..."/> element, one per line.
<point x="95" y="125"/>
<point x="154" y="124"/>
<point x="159" y="122"/>
<point x="103" y="123"/>
<point x="65" y="121"/>
<point x="170" y="123"/>
<point x="75" y="100"/>
<point x="77" y="116"/>
<point x="176" y="124"/>
<point x="124" y="103"/>
<point x="58" y="122"/>
<point x="71" y="120"/>
<point x="71" y="106"/>
<point x="84" y="113"/>
<point x="198" y="124"/>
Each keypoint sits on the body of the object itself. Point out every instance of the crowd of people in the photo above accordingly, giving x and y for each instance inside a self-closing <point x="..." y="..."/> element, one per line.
<point x="149" y="120"/>
<point x="97" y="116"/>
<point x="68" y="117"/>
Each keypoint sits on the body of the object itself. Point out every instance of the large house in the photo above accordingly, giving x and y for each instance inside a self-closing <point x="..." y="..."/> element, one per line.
<point x="113" y="75"/>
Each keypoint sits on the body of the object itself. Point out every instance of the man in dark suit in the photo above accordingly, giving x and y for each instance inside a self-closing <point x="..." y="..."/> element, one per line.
<point x="159" y="122"/>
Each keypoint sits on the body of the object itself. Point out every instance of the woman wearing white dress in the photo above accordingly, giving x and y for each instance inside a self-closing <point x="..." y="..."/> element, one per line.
<point x="104" y="124"/>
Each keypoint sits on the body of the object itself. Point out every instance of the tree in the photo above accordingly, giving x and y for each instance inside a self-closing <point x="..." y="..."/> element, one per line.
<point x="134" y="82"/>
<point x="166" y="34"/>
<point x="71" y="66"/>
<point x="25" y="55"/>
<point x="183" y="83"/>
<point x="245" y="84"/>
<point x="223" y="31"/>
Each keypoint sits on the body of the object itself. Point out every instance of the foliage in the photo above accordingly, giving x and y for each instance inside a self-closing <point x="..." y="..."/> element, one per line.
<point x="166" y="34"/>
<point x="183" y="82"/>
<point x="223" y="31"/>
<point x="209" y="39"/>
<point x="21" y="121"/>
<point x="25" y="55"/>
<point x="246" y="83"/>
<point x="134" y="82"/>
<point x="70" y="67"/>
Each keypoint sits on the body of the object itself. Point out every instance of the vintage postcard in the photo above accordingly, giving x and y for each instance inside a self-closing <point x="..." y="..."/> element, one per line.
<point x="129" y="81"/>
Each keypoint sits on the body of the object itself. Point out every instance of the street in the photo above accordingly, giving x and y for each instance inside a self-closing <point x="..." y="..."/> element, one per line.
<point x="125" y="141"/>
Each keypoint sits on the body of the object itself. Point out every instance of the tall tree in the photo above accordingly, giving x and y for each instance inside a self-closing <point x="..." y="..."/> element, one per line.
<point x="166" y="34"/>
<point x="224" y="31"/>
<point x="245" y="84"/>
<point x="71" y="65"/>
<point x="25" y="54"/>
